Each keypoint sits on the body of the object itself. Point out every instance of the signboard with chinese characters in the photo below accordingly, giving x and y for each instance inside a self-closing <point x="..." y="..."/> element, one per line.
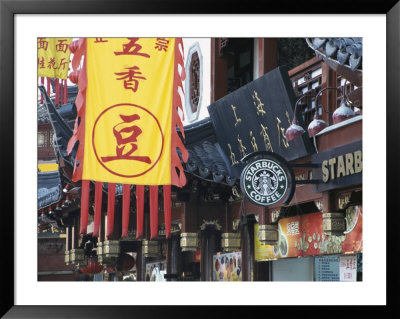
<point x="339" y="167"/>
<point x="125" y="131"/>
<point x="121" y="125"/>
<point x="348" y="268"/>
<point x="53" y="57"/>
<point x="303" y="236"/>
<point x="255" y="118"/>
<point x="326" y="268"/>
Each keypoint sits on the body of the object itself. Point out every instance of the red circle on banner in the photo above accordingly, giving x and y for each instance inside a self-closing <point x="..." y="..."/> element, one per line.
<point x="120" y="120"/>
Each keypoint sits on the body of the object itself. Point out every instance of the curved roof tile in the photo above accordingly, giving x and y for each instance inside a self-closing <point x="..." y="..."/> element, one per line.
<point x="344" y="51"/>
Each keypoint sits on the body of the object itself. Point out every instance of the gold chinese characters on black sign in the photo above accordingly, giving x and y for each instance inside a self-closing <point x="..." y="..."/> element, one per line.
<point x="255" y="118"/>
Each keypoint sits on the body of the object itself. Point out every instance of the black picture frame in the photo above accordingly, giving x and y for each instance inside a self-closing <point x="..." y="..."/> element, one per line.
<point x="8" y="10"/>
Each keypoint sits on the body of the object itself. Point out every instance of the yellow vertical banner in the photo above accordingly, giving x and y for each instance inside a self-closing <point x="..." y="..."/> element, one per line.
<point x="129" y="110"/>
<point x="53" y="57"/>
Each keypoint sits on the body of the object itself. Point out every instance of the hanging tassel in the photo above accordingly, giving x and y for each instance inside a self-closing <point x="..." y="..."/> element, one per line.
<point x="48" y="86"/>
<point x="62" y="85"/>
<point x="57" y="89"/>
<point x="98" y="199"/>
<point x="153" y="212"/>
<point x="167" y="210"/>
<point x="61" y="91"/>
<point x="139" y="210"/>
<point x="126" y="198"/>
<point x="42" y="83"/>
<point x="65" y="92"/>
<point x="110" y="209"/>
<point x="84" y="206"/>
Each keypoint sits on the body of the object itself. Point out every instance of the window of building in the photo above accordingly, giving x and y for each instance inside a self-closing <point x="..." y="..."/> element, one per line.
<point x="349" y="88"/>
<point x="194" y="82"/>
<point x="239" y="54"/>
<point x="41" y="140"/>
<point x="51" y="138"/>
<point x="307" y="81"/>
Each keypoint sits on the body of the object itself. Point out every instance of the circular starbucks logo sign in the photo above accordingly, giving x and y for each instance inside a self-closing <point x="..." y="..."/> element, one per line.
<point x="264" y="182"/>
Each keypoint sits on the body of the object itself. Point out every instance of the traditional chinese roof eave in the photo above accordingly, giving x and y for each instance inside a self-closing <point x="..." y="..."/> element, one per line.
<point x="206" y="158"/>
<point x="341" y="51"/>
<point x="49" y="189"/>
<point x="42" y="114"/>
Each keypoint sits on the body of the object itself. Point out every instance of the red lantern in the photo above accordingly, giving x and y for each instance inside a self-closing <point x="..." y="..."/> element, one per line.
<point x="294" y="130"/>
<point x="93" y="267"/>
<point x="73" y="46"/>
<point x="74" y="76"/>
<point x="316" y="126"/>
<point x="343" y="112"/>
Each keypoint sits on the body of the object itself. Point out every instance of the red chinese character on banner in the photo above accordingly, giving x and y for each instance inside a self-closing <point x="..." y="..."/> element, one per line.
<point x="61" y="47"/>
<point x="52" y="63"/>
<point x="130" y="78"/>
<point x="162" y="44"/>
<point x="132" y="48"/>
<point x="127" y="145"/>
<point x="63" y="64"/>
<point x="42" y="44"/>
<point x="41" y="63"/>
<point x="100" y="40"/>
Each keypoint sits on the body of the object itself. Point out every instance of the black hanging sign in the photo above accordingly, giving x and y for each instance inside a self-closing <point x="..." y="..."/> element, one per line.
<point x="255" y="118"/>
<point x="338" y="167"/>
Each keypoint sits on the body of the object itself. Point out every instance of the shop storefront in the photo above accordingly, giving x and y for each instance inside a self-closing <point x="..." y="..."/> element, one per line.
<point x="325" y="245"/>
<point x="305" y="252"/>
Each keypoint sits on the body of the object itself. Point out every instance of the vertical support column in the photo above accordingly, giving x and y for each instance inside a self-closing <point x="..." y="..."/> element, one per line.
<point x="117" y="227"/>
<point x="258" y="270"/>
<point x="75" y="232"/>
<point x="328" y="98"/>
<point x="146" y="223"/>
<point x="68" y="238"/>
<point x="140" y="264"/>
<point x="228" y="226"/>
<point x="327" y="202"/>
<point x="141" y="259"/>
<point x="68" y="244"/>
<point x="267" y="55"/>
<point x="247" y="247"/>
<point x="174" y="257"/>
<point x="188" y="241"/>
<point x="189" y="214"/>
<point x="262" y="217"/>
<point x="102" y="230"/>
<point x="168" y="256"/>
<point x="218" y="72"/>
<point x="210" y="244"/>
